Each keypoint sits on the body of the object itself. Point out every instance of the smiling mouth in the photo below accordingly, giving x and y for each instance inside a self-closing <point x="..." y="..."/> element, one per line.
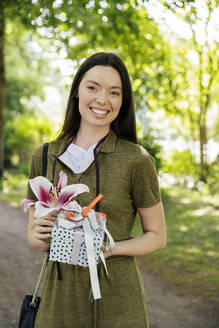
<point x="99" y="111"/>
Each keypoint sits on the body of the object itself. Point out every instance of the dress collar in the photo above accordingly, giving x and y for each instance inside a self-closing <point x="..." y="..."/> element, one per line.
<point x="109" y="143"/>
<point x="57" y="147"/>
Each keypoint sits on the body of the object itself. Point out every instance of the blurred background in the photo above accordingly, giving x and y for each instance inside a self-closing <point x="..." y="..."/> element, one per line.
<point x="172" y="53"/>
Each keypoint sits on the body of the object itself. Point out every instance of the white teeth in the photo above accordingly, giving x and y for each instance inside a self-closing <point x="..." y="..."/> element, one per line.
<point x="100" y="112"/>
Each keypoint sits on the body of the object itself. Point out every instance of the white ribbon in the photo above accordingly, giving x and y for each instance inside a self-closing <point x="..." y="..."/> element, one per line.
<point x="89" y="223"/>
<point x="91" y="259"/>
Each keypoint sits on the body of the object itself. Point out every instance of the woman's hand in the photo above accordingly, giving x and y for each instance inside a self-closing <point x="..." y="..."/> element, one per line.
<point x="39" y="231"/>
<point x="42" y="227"/>
<point x="107" y="253"/>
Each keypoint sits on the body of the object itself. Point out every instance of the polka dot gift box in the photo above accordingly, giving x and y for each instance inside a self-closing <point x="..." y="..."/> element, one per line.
<point x="77" y="239"/>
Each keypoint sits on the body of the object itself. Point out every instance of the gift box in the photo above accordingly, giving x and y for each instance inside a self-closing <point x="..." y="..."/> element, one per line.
<point x="68" y="239"/>
<point x="77" y="238"/>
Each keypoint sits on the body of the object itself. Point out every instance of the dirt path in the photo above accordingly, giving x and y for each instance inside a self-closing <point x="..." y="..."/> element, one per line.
<point x="168" y="306"/>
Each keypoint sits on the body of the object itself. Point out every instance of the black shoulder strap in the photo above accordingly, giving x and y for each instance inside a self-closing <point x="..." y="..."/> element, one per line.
<point x="45" y="151"/>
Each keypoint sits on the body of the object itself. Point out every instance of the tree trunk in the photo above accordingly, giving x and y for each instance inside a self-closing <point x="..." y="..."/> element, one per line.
<point x="203" y="150"/>
<point x="204" y="100"/>
<point x="2" y="90"/>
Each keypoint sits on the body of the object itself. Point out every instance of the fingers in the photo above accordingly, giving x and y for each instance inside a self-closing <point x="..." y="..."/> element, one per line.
<point x="105" y="253"/>
<point x="42" y="227"/>
<point x="41" y="236"/>
<point x="44" y="221"/>
<point x="48" y="217"/>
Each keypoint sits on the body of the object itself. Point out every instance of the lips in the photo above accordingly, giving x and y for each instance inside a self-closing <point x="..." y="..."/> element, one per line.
<point x="99" y="111"/>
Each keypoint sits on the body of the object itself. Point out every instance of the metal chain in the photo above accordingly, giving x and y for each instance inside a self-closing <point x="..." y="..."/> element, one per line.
<point x="40" y="278"/>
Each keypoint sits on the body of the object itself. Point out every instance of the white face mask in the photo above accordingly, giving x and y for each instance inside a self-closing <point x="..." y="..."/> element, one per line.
<point x="77" y="158"/>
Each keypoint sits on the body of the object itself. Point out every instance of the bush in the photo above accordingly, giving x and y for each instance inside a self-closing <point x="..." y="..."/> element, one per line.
<point x="14" y="182"/>
<point x="149" y="143"/>
<point x="22" y="135"/>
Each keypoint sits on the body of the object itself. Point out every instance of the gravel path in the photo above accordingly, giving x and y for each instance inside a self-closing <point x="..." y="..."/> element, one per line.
<point x="168" y="306"/>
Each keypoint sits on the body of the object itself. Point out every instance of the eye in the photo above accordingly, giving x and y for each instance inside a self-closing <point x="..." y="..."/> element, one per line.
<point x="115" y="93"/>
<point x="91" y="87"/>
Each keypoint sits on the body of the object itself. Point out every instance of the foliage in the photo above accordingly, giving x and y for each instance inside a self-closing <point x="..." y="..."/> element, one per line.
<point x="194" y="63"/>
<point x="14" y="188"/>
<point x="23" y="134"/>
<point x="181" y="164"/>
<point x="26" y="75"/>
<point x="149" y="143"/>
<point x="14" y="182"/>
<point x="24" y="69"/>
<point x="213" y="178"/>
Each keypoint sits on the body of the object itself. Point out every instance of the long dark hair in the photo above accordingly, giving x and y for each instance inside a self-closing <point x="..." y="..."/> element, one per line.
<point x="124" y="125"/>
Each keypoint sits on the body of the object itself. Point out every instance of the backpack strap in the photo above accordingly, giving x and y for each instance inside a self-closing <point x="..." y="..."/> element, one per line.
<point x="45" y="151"/>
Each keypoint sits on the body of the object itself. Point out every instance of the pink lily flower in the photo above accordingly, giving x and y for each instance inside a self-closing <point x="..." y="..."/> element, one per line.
<point x="52" y="199"/>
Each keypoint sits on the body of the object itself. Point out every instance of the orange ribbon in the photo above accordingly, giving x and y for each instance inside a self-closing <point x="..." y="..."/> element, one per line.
<point x="87" y="209"/>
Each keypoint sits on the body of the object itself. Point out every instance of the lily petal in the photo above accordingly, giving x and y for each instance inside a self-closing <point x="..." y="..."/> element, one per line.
<point x="42" y="209"/>
<point x="41" y="188"/>
<point x="68" y="192"/>
<point x="72" y="206"/>
<point x="62" y="182"/>
<point x="26" y="203"/>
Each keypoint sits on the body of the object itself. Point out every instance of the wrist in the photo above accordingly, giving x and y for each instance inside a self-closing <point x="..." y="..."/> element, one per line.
<point x="117" y="250"/>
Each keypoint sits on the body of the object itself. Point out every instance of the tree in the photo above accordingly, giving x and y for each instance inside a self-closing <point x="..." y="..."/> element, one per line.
<point x="182" y="165"/>
<point x="27" y="72"/>
<point x="198" y="77"/>
<point x="8" y="9"/>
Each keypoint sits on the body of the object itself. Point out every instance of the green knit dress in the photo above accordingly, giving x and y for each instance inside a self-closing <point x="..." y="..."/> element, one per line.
<point x="128" y="181"/>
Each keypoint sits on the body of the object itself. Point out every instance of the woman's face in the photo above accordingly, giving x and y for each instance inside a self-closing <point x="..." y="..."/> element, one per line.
<point x="100" y="96"/>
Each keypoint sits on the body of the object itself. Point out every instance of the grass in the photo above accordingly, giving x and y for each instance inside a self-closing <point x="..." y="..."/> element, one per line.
<point x="191" y="257"/>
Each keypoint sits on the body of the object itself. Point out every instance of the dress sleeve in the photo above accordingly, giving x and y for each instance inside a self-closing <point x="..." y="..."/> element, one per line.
<point x="36" y="169"/>
<point x="145" y="187"/>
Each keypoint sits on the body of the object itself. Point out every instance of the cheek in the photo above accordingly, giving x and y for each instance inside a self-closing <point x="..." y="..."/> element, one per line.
<point x="82" y="107"/>
<point x="118" y="104"/>
<point x="80" y="104"/>
<point x="83" y="100"/>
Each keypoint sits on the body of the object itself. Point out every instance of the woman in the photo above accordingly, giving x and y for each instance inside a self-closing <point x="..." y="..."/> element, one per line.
<point x="100" y="115"/>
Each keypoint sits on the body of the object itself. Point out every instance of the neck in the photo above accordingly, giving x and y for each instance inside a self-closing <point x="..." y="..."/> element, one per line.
<point x="88" y="136"/>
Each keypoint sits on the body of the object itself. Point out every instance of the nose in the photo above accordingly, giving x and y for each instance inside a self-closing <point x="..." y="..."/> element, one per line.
<point x="101" y="97"/>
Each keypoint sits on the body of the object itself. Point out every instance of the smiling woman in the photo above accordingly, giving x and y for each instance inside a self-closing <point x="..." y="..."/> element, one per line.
<point x="100" y="98"/>
<point x="98" y="147"/>
<point x="124" y="125"/>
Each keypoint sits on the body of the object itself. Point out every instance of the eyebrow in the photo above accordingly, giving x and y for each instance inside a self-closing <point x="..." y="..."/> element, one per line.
<point x="94" y="82"/>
